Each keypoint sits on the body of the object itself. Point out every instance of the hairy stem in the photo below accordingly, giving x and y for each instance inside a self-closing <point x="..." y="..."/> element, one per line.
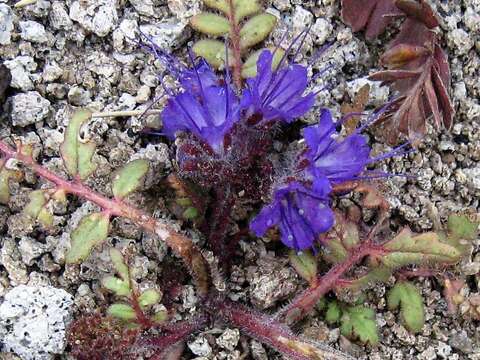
<point x="305" y="302"/>
<point x="181" y="245"/>
<point x="235" y="41"/>
<point x="275" y="334"/>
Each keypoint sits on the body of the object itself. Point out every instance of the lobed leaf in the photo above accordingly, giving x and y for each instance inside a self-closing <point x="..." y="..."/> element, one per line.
<point x="160" y="316"/>
<point x="210" y="24"/>
<point x="461" y="230"/>
<point x="406" y="296"/>
<point x="92" y="231"/>
<point x="249" y="68"/>
<point x="256" y="29"/>
<point x="358" y="322"/>
<point x="122" y="311"/>
<point x="375" y="274"/>
<point x="129" y="178"/>
<point x="213" y="51"/>
<point x="406" y="249"/>
<point x="334" y="312"/>
<point x="77" y="155"/>
<point x="305" y="264"/>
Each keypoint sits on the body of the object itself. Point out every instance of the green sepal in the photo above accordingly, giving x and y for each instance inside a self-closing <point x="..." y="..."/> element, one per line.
<point x="122" y="312"/>
<point x="211" y="50"/>
<point x="305" y="264"/>
<point x="129" y="178"/>
<point x="256" y="29"/>
<point x="91" y="231"/>
<point x="358" y="322"/>
<point x="249" y="68"/>
<point x="210" y="24"/>
<point x="118" y="286"/>
<point x="149" y="297"/>
<point x="77" y="154"/>
<point x="412" y="312"/>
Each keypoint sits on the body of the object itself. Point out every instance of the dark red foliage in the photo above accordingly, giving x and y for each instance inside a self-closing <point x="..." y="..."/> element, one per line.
<point x="372" y="15"/>
<point x="96" y="337"/>
<point x="418" y="68"/>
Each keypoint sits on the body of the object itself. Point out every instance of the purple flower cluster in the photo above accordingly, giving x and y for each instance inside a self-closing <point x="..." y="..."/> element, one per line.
<point x="209" y="107"/>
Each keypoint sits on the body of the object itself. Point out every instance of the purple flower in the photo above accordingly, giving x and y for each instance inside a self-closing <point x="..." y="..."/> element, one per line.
<point x="300" y="212"/>
<point x="204" y="107"/>
<point x="278" y="94"/>
<point x="338" y="160"/>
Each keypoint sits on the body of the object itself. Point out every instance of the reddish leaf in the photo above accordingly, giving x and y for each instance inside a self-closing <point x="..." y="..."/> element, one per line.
<point x="418" y="71"/>
<point x="419" y="10"/>
<point x="372" y="15"/>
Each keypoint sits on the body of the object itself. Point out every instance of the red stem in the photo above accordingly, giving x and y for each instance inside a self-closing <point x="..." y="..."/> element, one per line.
<point x="181" y="245"/>
<point x="235" y="40"/>
<point x="275" y="334"/>
<point x="305" y="302"/>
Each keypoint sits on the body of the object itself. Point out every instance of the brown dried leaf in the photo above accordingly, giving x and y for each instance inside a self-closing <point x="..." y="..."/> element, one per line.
<point x="372" y="15"/>
<point x="357" y="105"/>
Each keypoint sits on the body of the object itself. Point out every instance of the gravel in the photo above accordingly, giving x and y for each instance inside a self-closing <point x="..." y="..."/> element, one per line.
<point x="68" y="54"/>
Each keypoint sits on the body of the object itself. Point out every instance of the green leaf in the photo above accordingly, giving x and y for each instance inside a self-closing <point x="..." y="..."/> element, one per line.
<point x="221" y="5"/>
<point x="461" y="231"/>
<point x="412" y="312"/>
<point x="244" y="8"/>
<point x="358" y="322"/>
<point x="190" y="213"/>
<point x="256" y="30"/>
<point x="249" y="68"/>
<point x="119" y="264"/>
<point x="406" y="249"/>
<point x="333" y="313"/>
<point x="373" y="276"/>
<point x="36" y="208"/>
<point x="149" y="297"/>
<point x="305" y="264"/>
<point x="122" y="311"/>
<point x="6" y="175"/>
<point x="92" y="231"/>
<point x="76" y="154"/>
<point x="210" y="24"/>
<point x="211" y="50"/>
<point x="118" y="286"/>
<point x="160" y="316"/>
<point x="129" y="178"/>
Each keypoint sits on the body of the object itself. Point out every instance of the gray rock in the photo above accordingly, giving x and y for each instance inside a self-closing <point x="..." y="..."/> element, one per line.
<point x="143" y="7"/>
<point x="200" y="346"/>
<point x="460" y="40"/>
<point x="473" y="177"/>
<point x="34" y="320"/>
<point x="321" y="30"/>
<point x="29" y="108"/>
<point x="99" y="17"/>
<point x="33" y="31"/>
<point x="229" y="339"/>
<point x="20" y="68"/>
<point x="58" y="16"/>
<point x="79" y="96"/>
<point x="51" y="72"/>
<point x="168" y="34"/>
<point x="6" y="24"/>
